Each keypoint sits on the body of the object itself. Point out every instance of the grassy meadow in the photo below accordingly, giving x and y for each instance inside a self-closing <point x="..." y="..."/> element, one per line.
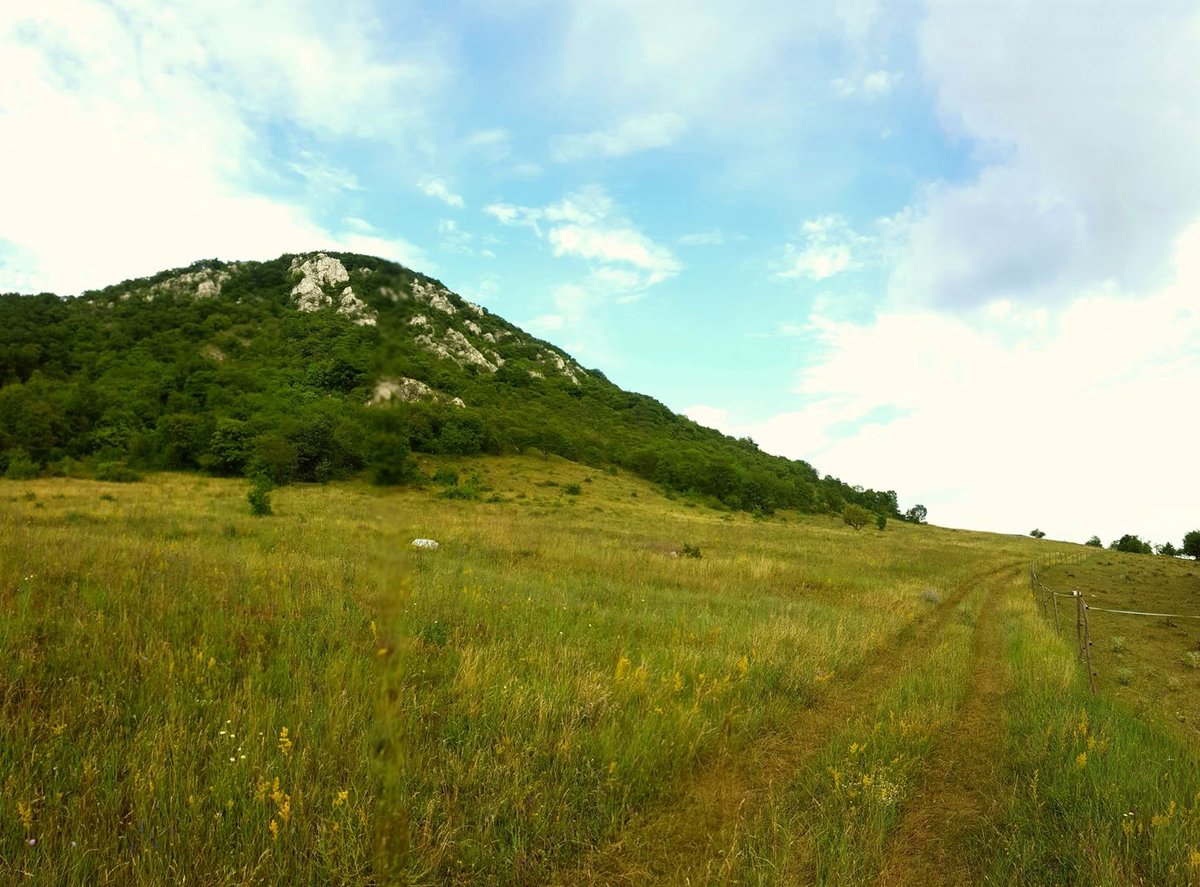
<point x="560" y="695"/>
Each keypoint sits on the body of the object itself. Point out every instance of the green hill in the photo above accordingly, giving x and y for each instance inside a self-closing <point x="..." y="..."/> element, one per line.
<point x="325" y="365"/>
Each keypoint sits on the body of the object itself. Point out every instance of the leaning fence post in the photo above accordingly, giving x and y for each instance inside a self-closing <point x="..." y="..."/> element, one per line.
<point x="1057" y="627"/>
<point x="1087" y="646"/>
<point x="1079" y="621"/>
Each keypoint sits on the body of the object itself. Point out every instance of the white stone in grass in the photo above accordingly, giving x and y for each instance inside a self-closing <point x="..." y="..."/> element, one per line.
<point x="426" y="544"/>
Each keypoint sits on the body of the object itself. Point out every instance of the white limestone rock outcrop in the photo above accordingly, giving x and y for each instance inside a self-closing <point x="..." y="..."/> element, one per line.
<point x="565" y="368"/>
<point x="407" y="390"/>
<point x="434" y="296"/>
<point x="203" y="284"/>
<point x="457" y="347"/>
<point x="319" y="272"/>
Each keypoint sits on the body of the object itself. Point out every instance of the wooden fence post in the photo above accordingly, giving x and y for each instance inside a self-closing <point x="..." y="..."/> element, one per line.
<point x="1079" y="622"/>
<point x="1057" y="627"/>
<point x="1087" y="646"/>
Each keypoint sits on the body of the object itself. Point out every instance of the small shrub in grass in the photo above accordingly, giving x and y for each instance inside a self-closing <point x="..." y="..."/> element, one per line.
<point x="1124" y="676"/>
<point x="572" y="489"/>
<point x="446" y="477"/>
<point x="1192" y="659"/>
<point x="117" y="473"/>
<point x="259" y="497"/>
<point x="1117" y="643"/>
<point x="881" y="522"/>
<point x="1173" y="683"/>
<point x="691" y="551"/>
<point x="20" y="466"/>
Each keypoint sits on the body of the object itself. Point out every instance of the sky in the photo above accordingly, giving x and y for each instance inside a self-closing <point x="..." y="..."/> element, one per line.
<point x="949" y="248"/>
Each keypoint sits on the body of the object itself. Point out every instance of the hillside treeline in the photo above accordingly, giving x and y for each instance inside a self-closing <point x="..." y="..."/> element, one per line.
<point x="244" y="384"/>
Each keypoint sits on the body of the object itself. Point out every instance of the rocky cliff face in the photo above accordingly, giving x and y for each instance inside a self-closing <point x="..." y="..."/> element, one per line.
<point x="320" y="277"/>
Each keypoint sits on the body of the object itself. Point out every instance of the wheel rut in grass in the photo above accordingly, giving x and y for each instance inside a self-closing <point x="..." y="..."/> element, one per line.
<point x="941" y="839"/>
<point x="683" y="840"/>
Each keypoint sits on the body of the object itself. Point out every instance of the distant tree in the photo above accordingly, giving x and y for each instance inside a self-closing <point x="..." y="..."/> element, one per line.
<point x="881" y="522"/>
<point x="856" y="516"/>
<point x="1094" y="542"/>
<point x="917" y="514"/>
<point x="1037" y="534"/>
<point x="1166" y="550"/>
<point x="1131" y="544"/>
<point x="1191" y="544"/>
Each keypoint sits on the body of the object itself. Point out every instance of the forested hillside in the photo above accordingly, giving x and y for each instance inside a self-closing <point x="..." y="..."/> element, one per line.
<point x="320" y="366"/>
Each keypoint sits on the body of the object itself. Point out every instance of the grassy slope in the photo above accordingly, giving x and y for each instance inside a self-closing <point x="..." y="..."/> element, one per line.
<point x="550" y="697"/>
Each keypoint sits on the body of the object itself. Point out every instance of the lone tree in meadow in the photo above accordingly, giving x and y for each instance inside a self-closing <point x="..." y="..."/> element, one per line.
<point x="916" y="514"/>
<point x="856" y="516"/>
<point x="1094" y="542"/>
<point x="1166" y="550"/>
<point x="1191" y="545"/>
<point x="1037" y="534"/>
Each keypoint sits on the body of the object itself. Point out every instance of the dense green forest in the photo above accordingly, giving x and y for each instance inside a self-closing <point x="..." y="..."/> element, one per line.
<point x="271" y="368"/>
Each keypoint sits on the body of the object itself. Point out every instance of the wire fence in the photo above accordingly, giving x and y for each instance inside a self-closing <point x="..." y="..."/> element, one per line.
<point x="1047" y="599"/>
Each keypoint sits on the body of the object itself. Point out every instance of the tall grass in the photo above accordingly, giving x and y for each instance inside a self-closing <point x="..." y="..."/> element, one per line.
<point x="190" y="692"/>
<point x="832" y="823"/>
<point x="1103" y="794"/>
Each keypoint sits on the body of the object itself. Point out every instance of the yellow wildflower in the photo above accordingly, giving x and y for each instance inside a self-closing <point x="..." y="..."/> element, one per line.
<point x="743" y="665"/>
<point x="274" y="830"/>
<point x="837" y="777"/>
<point x="1081" y="760"/>
<point x="1194" y="859"/>
<point x="340" y="799"/>
<point x="285" y="744"/>
<point x="25" y="811"/>
<point x="622" y="669"/>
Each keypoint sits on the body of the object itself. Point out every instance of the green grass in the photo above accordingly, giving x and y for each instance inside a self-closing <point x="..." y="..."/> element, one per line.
<point x="1104" y="796"/>
<point x="1146" y="662"/>
<point x="506" y="707"/>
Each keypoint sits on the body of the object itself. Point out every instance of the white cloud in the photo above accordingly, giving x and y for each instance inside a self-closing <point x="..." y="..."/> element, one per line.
<point x="701" y="238"/>
<point x="1093" y="111"/>
<point x="436" y="188"/>
<point x="622" y="246"/>
<point x="1075" y="421"/>
<point x="586" y="224"/>
<point x="494" y="144"/>
<point x="131" y="143"/>
<point x="320" y="173"/>
<point x="875" y="84"/>
<point x="829" y="248"/>
<point x="711" y="417"/>
<point x="641" y="132"/>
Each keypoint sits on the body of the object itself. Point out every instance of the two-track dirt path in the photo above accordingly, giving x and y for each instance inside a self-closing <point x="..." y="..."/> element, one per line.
<point x="687" y="839"/>
<point x="941" y="837"/>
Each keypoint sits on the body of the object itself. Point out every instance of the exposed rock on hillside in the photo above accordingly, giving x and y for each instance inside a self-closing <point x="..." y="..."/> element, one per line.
<point x="204" y="284"/>
<point x="434" y="296"/>
<point x="408" y="391"/>
<point x="458" y="348"/>
<point x="320" y="271"/>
